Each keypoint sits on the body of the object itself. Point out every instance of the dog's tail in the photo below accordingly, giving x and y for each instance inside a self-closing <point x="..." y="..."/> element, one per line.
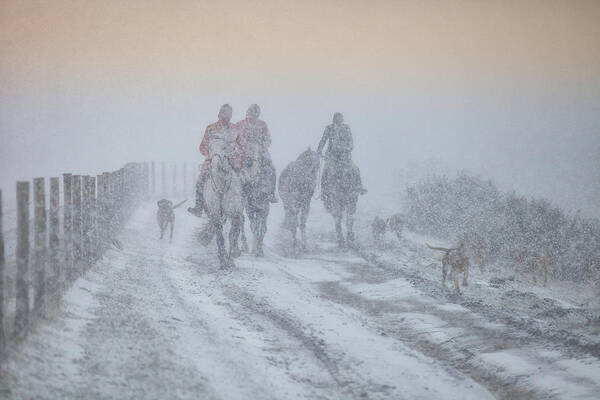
<point x="179" y="204"/>
<point x="438" y="248"/>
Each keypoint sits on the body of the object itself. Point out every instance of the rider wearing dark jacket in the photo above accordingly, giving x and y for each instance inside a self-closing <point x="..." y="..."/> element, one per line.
<point x="339" y="153"/>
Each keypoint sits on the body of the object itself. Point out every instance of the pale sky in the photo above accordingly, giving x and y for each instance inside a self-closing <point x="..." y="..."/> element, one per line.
<point x="506" y="89"/>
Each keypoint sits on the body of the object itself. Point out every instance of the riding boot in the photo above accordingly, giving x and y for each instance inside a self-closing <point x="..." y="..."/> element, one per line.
<point x="197" y="209"/>
<point x="358" y="181"/>
<point x="199" y="206"/>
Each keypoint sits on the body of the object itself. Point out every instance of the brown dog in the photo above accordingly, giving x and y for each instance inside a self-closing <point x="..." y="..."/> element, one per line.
<point x="165" y="216"/>
<point x="593" y="274"/>
<point x="457" y="259"/>
<point x="476" y="248"/>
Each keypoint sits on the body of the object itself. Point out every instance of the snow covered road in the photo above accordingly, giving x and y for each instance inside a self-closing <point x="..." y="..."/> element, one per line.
<point x="161" y="320"/>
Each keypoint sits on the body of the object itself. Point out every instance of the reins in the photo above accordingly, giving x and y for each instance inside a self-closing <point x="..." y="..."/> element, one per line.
<point x="212" y="179"/>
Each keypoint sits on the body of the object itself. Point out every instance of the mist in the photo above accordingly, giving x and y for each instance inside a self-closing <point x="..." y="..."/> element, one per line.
<point x="462" y="262"/>
<point x="88" y="89"/>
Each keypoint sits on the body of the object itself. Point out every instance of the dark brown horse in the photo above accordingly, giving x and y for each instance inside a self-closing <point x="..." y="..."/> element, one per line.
<point x="257" y="191"/>
<point x="297" y="184"/>
<point x="340" y="188"/>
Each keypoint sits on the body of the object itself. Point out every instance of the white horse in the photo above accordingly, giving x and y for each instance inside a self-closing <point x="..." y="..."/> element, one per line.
<point x="223" y="202"/>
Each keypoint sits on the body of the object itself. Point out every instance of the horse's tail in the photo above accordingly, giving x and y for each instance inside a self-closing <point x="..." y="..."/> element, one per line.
<point x="318" y="191"/>
<point x="207" y="233"/>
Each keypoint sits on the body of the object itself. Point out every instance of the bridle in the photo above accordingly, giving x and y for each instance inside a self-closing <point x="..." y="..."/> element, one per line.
<point x="222" y="160"/>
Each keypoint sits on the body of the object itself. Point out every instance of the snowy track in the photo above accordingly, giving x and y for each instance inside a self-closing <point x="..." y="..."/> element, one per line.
<point x="161" y="320"/>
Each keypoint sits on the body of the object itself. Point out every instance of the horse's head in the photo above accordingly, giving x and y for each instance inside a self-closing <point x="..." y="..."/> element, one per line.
<point x="310" y="161"/>
<point x="256" y="154"/>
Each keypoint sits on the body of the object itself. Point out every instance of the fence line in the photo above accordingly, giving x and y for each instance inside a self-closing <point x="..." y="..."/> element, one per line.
<point x="171" y="179"/>
<point x="2" y="336"/>
<point x="94" y="209"/>
<point x="22" y="273"/>
<point x="62" y="240"/>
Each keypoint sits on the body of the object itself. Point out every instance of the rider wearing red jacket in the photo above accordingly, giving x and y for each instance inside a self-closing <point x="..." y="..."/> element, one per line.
<point x="223" y="130"/>
<point x="254" y="131"/>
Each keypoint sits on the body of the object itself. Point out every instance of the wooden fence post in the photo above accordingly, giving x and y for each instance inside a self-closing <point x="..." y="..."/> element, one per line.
<point x="99" y="216"/>
<point x="53" y="239"/>
<point x="163" y="176"/>
<point x="39" y="244"/>
<point x="146" y="187"/>
<point x="22" y="280"/>
<point x="77" y="245"/>
<point x="93" y="220"/>
<point x="185" y="185"/>
<point x="152" y="179"/>
<point x="2" y="262"/>
<point x="105" y="209"/>
<point x="174" y="179"/>
<point x="114" y="184"/>
<point x="111" y="204"/>
<point x="85" y="221"/>
<point x="120" y="196"/>
<point x="67" y="229"/>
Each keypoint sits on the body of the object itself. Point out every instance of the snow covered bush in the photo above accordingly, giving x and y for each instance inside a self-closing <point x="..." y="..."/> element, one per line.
<point x="454" y="207"/>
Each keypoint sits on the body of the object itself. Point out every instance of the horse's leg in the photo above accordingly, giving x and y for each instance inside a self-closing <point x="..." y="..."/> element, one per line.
<point x="350" y="229"/>
<point x="262" y="228"/>
<point x="255" y="226"/>
<point x="444" y="271"/>
<point x="454" y="273"/>
<point x="337" y="216"/>
<point x="221" y="244"/>
<point x="163" y="228"/>
<point x="172" y="227"/>
<point x="291" y="223"/>
<point x="263" y="216"/>
<point x="245" y="248"/>
<point x="234" y="234"/>
<point x="350" y="208"/>
<point x="303" y="218"/>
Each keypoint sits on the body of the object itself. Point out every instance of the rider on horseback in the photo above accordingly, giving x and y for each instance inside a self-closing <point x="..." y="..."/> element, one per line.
<point x="254" y="131"/>
<point x="223" y="130"/>
<point x="338" y="154"/>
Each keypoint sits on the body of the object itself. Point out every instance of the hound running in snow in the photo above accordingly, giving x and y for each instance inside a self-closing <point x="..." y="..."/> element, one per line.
<point x="165" y="216"/>
<point x="457" y="259"/>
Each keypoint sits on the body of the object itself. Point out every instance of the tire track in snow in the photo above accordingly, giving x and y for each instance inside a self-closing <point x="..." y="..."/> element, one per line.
<point x="456" y="358"/>
<point x="561" y="338"/>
